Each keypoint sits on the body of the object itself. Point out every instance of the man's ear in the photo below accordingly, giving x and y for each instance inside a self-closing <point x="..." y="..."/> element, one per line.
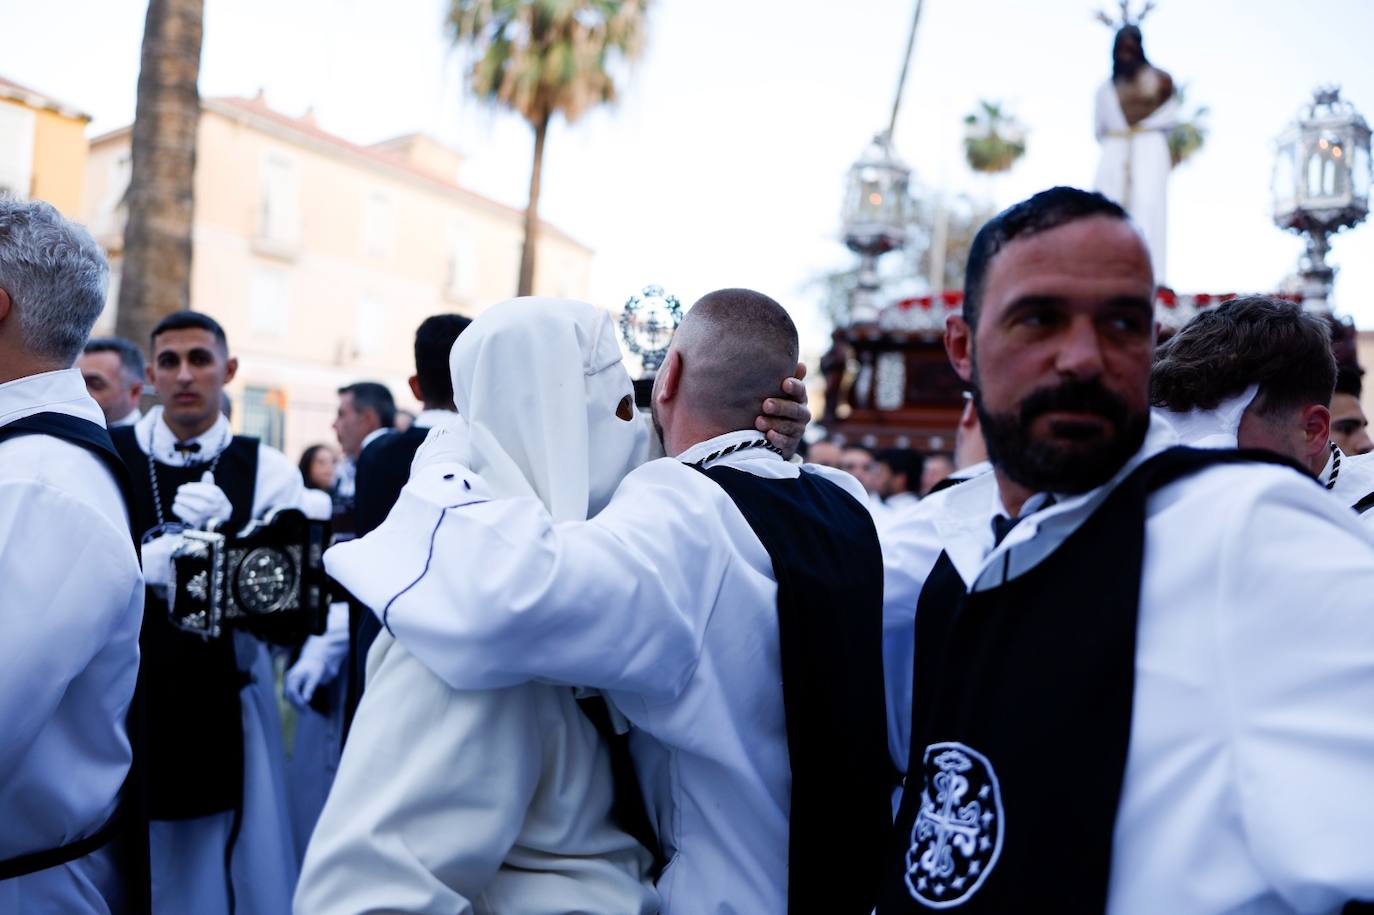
<point x="1316" y="429"/>
<point x="959" y="346"/>
<point x="136" y="390"/>
<point x="231" y="368"/>
<point x="671" y="373"/>
<point x="6" y="304"/>
<point x="414" y="382"/>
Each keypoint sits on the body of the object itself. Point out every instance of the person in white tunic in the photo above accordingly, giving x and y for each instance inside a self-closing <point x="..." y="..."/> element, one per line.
<point x="1258" y="372"/>
<point x="667" y="600"/>
<point x="1134" y="111"/>
<point x="494" y="800"/>
<point x="1244" y="717"/>
<point x="220" y="835"/>
<point x="71" y="594"/>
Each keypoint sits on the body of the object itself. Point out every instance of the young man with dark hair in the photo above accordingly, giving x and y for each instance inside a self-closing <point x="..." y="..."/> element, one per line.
<point x="898" y="473"/>
<point x="1258" y="372"/>
<point x="113" y="369"/>
<point x="1349" y="427"/>
<point x="1116" y="672"/>
<point x="220" y="835"/>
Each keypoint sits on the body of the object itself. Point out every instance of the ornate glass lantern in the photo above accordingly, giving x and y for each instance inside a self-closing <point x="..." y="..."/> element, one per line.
<point x="875" y="206"/>
<point x="1321" y="183"/>
<point x="875" y="217"/>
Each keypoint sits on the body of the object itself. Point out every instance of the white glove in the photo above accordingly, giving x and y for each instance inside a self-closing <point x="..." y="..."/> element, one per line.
<point x="304" y="677"/>
<point x="157" y="560"/>
<point x="321" y="658"/>
<point x="199" y="503"/>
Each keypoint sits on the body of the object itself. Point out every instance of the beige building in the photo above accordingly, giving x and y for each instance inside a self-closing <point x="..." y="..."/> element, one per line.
<point x="320" y="256"/>
<point x="42" y="148"/>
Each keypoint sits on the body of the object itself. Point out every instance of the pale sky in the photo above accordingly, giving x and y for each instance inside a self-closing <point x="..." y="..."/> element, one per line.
<point x="724" y="163"/>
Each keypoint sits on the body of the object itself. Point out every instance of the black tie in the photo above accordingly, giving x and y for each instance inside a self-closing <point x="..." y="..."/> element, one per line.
<point x="1002" y="525"/>
<point x="187" y="447"/>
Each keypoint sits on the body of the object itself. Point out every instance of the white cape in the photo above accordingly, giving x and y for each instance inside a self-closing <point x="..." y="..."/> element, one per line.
<point x="493" y="801"/>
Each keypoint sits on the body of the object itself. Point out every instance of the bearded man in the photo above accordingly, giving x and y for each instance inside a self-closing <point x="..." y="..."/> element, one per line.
<point x="1131" y="690"/>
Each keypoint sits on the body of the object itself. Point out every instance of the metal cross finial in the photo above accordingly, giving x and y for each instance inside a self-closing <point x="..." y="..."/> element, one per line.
<point x="1125" y="18"/>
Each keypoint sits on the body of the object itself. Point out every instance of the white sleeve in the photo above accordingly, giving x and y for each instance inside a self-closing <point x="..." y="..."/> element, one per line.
<point x="1295" y="651"/>
<point x="911" y="546"/>
<point x="54" y="622"/>
<point x="491" y="593"/>
<point x="430" y="795"/>
<point x="279" y="484"/>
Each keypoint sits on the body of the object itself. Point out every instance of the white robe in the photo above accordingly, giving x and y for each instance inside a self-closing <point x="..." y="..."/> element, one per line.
<point x="69" y="656"/>
<point x="1247" y="782"/>
<point x="450" y="801"/>
<point x="495" y="800"/>
<point x="1134" y="168"/>
<point x="188" y="855"/>
<point x="666" y="600"/>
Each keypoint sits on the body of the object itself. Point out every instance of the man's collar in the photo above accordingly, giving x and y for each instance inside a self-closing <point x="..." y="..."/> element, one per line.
<point x="155" y="437"/>
<point x="431" y="418"/>
<point x="729" y="448"/>
<point x="372" y="437"/>
<point x="963" y="519"/>
<point x="62" y="391"/>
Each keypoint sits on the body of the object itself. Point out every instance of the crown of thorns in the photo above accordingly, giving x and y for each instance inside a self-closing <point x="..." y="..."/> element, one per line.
<point x="1126" y="18"/>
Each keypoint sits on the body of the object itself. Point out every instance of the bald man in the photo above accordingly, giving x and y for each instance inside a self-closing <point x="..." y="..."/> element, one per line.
<point x="727" y="602"/>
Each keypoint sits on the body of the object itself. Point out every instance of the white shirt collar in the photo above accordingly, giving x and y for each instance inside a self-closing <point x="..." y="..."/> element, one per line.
<point x="372" y="437"/>
<point x="434" y="419"/>
<point x="964" y="520"/>
<point x="129" y="419"/>
<point x="155" y="437"/>
<point x="63" y="391"/>
<point x="703" y="451"/>
<point x="1325" y="476"/>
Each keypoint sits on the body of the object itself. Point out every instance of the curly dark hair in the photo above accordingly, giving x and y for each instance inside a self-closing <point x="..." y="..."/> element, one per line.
<point x="1254" y="339"/>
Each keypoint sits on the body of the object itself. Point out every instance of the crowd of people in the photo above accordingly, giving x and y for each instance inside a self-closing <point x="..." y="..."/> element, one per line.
<point x="1111" y="653"/>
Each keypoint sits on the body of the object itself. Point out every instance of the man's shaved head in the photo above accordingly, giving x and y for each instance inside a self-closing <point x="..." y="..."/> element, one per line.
<point x="735" y="347"/>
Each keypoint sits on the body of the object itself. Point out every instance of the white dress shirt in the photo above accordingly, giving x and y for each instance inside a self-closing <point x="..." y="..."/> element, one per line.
<point x="71" y="605"/>
<point x="666" y="600"/>
<point x="1247" y="782"/>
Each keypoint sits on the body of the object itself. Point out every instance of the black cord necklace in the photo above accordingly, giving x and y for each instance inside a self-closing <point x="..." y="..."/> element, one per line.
<point x="1335" y="465"/>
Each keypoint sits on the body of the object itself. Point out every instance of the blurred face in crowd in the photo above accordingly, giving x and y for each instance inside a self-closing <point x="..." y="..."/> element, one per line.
<point x="1349" y="428"/>
<point x="321" y="469"/>
<point x="827" y="454"/>
<point x="109" y="384"/>
<point x="1060" y="358"/>
<point x="860" y="464"/>
<point x="352" y="425"/>
<point x="935" y="469"/>
<point x="189" y="371"/>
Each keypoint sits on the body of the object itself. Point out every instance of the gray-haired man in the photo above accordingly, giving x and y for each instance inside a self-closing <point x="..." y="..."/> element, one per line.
<point x="71" y="594"/>
<point x="113" y="368"/>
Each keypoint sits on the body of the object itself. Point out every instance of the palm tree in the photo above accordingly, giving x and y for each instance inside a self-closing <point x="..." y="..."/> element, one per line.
<point x="993" y="139"/>
<point x="545" y="57"/>
<point x="156" y="273"/>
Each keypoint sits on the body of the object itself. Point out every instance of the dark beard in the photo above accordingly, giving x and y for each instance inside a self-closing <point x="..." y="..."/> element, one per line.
<point x="1055" y="466"/>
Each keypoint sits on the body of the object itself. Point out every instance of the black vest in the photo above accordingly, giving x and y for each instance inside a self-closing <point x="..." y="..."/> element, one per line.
<point x="1021" y="719"/>
<point x="829" y="570"/>
<point x="128" y="826"/>
<point x="195" y="726"/>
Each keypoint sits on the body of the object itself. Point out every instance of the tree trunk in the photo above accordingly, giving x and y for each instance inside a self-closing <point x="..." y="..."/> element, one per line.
<point x="155" y="277"/>
<point x="526" y="285"/>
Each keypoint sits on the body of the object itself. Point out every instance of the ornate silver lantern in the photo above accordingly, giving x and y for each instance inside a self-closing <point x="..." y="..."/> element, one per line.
<point x="875" y="217"/>
<point x="1321" y="184"/>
